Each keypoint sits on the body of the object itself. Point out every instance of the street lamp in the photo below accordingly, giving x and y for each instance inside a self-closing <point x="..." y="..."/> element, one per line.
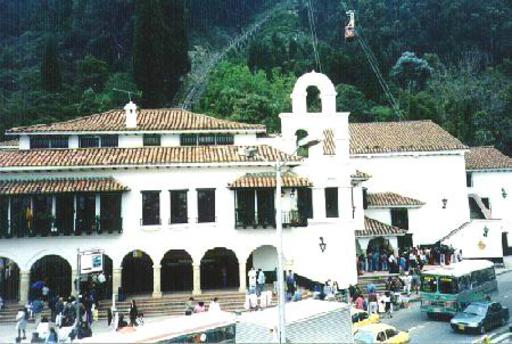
<point x="252" y="152"/>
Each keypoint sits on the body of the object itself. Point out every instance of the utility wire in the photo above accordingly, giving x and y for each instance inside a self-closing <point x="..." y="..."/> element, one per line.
<point x="314" y="37"/>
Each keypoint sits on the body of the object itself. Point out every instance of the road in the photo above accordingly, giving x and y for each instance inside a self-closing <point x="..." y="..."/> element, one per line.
<point x="423" y="330"/>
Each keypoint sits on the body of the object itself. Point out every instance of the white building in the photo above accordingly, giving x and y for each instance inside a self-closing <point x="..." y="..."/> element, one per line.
<point x="175" y="205"/>
<point x="488" y="180"/>
<point x="172" y="201"/>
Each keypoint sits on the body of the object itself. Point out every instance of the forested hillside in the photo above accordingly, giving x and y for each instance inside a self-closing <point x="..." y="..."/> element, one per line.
<point x="445" y="60"/>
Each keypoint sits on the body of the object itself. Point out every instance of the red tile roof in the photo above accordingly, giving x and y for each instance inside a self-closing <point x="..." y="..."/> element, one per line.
<point x="487" y="158"/>
<point x="147" y="120"/>
<point x="391" y="199"/>
<point x="85" y="157"/>
<point x="268" y="180"/>
<point x="374" y="228"/>
<point x="49" y="186"/>
<point x="407" y="136"/>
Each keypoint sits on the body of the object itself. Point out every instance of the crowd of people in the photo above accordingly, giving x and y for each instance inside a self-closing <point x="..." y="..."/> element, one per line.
<point x="76" y="314"/>
<point x="384" y="258"/>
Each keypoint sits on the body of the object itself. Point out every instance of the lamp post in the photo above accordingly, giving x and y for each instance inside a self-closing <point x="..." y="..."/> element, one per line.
<point x="281" y="328"/>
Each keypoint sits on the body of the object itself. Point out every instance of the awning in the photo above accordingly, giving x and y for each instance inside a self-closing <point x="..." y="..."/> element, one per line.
<point x="268" y="180"/>
<point x="51" y="186"/>
<point x="374" y="228"/>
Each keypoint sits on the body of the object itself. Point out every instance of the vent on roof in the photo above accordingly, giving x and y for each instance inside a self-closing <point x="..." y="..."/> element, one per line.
<point x="130" y="111"/>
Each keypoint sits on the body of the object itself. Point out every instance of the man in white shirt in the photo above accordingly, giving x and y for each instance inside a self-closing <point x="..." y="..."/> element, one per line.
<point x="214" y="306"/>
<point x="252" y="279"/>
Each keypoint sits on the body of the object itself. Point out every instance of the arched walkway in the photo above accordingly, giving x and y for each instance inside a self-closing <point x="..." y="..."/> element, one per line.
<point x="176" y="272"/>
<point x="219" y="269"/>
<point x="264" y="258"/>
<point x="9" y="279"/>
<point x="380" y="244"/>
<point x="137" y="276"/>
<point x="53" y="270"/>
<point x="90" y="281"/>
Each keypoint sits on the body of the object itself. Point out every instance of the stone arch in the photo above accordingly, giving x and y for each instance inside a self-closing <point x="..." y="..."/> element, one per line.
<point x="324" y="85"/>
<point x="53" y="270"/>
<point x="9" y="279"/>
<point x="137" y="274"/>
<point x="176" y="272"/>
<point x="380" y="243"/>
<point x="71" y="260"/>
<point x="219" y="269"/>
<point x="264" y="257"/>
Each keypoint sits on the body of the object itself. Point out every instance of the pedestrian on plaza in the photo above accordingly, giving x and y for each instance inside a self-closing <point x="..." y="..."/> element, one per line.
<point x="459" y="256"/>
<point x="52" y="337"/>
<point x="384" y="261"/>
<point x="389" y="306"/>
<point x="373" y="305"/>
<point x="133" y="313"/>
<point x="252" y="274"/>
<point x="102" y="280"/>
<point x="359" y="303"/>
<point x="375" y="260"/>
<point x="45" y="291"/>
<point x="189" y="306"/>
<point x="200" y="307"/>
<point x="328" y="293"/>
<point x="37" y="309"/>
<point x="401" y="264"/>
<point x="261" y="279"/>
<point x="407" y="280"/>
<point x="290" y="283"/>
<point x="369" y="259"/>
<point x="21" y="323"/>
<point x="214" y="305"/>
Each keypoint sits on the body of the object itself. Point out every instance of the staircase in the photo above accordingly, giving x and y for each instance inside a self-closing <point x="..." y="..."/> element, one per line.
<point x="378" y="281"/>
<point x="174" y="304"/>
<point x="168" y="305"/>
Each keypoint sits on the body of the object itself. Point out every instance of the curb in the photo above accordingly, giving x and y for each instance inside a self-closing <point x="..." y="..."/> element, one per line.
<point x="499" y="273"/>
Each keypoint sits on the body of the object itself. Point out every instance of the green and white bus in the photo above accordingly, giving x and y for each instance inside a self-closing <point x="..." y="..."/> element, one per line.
<point x="449" y="289"/>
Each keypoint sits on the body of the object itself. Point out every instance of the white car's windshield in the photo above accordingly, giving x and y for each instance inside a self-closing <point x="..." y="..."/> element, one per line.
<point x="362" y="337"/>
<point x="476" y="309"/>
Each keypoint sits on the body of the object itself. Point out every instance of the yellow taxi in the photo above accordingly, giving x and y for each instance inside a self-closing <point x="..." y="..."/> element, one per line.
<point x="380" y="333"/>
<point x="362" y="318"/>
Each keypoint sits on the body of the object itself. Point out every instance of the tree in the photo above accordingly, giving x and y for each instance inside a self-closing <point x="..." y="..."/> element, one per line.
<point x="160" y="56"/>
<point x="92" y="73"/>
<point x="50" y="69"/>
<point x="410" y="71"/>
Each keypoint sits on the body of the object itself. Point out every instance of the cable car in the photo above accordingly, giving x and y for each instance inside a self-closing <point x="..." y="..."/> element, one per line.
<point x="350" y="29"/>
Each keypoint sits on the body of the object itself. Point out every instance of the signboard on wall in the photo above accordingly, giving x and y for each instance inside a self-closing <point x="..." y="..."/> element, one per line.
<point x="91" y="262"/>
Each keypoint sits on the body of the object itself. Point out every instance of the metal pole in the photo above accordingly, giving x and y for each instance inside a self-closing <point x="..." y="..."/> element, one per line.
<point x="280" y="280"/>
<point x="78" y="272"/>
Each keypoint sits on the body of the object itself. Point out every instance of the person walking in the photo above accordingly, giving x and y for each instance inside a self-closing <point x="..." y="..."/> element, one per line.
<point x="21" y="323"/>
<point x="102" y="280"/>
<point x="37" y="309"/>
<point x="290" y="283"/>
<point x="359" y="303"/>
<point x="133" y="313"/>
<point x="52" y="337"/>
<point x="260" y="281"/>
<point x="252" y="280"/>
<point x="373" y="305"/>
<point x="389" y="306"/>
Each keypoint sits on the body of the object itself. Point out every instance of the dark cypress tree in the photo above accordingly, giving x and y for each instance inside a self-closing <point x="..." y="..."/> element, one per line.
<point x="50" y="69"/>
<point x="160" y="50"/>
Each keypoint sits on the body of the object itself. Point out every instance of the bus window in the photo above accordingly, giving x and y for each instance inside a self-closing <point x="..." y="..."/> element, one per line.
<point x="448" y="285"/>
<point x="428" y="284"/>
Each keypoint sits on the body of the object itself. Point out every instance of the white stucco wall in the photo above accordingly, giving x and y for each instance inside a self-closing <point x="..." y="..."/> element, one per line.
<point x="428" y="178"/>
<point x="490" y="184"/>
<point x="474" y="244"/>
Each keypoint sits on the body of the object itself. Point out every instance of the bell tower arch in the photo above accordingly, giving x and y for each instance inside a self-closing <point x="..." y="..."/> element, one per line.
<point x="324" y="85"/>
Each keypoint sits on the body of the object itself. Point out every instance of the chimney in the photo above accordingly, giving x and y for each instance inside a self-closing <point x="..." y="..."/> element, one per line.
<point x="130" y="111"/>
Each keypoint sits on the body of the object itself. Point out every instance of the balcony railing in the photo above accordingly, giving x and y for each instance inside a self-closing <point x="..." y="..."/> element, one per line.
<point x="250" y="219"/>
<point x="49" y="227"/>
